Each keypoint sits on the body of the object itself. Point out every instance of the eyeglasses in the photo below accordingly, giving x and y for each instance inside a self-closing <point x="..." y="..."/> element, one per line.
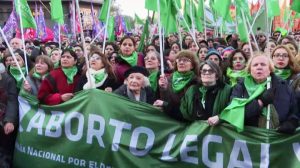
<point x="184" y="60"/>
<point x="281" y="55"/>
<point x="207" y="71"/>
<point x="95" y="57"/>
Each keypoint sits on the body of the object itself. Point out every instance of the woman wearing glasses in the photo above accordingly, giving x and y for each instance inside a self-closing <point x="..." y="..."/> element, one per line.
<point x="173" y="90"/>
<point x="205" y="100"/>
<point x="102" y="75"/>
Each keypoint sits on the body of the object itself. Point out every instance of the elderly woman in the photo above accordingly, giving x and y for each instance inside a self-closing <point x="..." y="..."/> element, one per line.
<point x="237" y="63"/>
<point x="127" y="58"/>
<point x="102" y="75"/>
<point x="251" y="97"/>
<point x="173" y="90"/>
<point x="43" y="65"/>
<point x="136" y="85"/>
<point x="60" y="84"/>
<point x="285" y="65"/>
<point x="207" y="99"/>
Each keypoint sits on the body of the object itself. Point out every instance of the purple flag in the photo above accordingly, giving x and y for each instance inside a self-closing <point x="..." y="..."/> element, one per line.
<point x="10" y="26"/>
<point x="36" y="18"/>
<point x="73" y="20"/>
<point x="41" y="27"/>
<point x="56" y="32"/>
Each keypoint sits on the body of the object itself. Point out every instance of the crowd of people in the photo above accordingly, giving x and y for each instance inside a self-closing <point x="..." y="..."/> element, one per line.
<point x="195" y="80"/>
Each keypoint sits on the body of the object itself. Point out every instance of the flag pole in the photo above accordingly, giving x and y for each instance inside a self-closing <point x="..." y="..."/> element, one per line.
<point x="181" y="16"/>
<point x="12" y="53"/>
<point x="22" y="34"/>
<point x="256" y="16"/>
<point x="179" y="32"/>
<point x="251" y="31"/>
<point x="84" y="45"/>
<point x="59" y="34"/>
<point x="204" y="20"/>
<point x="106" y="25"/>
<point x="192" y="19"/>
<point x="74" y="19"/>
<point x="285" y="23"/>
<point x="249" y="41"/>
<point x="160" y="40"/>
<point x="97" y="35"/>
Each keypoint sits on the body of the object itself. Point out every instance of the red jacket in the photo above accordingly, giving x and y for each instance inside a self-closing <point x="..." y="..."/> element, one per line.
<point x="122" y="66"/>
<point x="54" y="85"/>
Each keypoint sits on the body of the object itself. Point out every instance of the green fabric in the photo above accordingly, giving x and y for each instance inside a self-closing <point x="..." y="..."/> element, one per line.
<point x="283" y="73"/>
<point x="99" y="128"/>
<point x="296" y="5"/>
<point x="203" y="91"/>
<point x="56" y="65"/>
<point x="153" y="78"/>
<point x="99" y="76"/>
<point x="234" y="113"/>
<point x="70" y="73"/>
<point x="187" y="102"/>
<point x="234" y="75"/>
<point x="242" y="30"/>
<point x="25" y="13"/>
<point x="104" y="11"/>
<point x="111" y="29"/>
<point x="15" y="72"/>
<point x="132" y="59"/>
<point x="37" y="75"/>
<point x="138" y="20"/>
<point x="168" y="16"/>
<point x="57" y="13"/>
<point x="223" y="8"/>
<point x="180" y="80"/>
<point x="128" y="24"/>
<point x="273" y="8"/>
<point x="144" y="37"/>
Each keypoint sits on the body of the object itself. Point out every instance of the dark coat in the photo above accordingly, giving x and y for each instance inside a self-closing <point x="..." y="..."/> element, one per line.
<point x="109" y="82"/>
<point x="122" y="66"/>
<point x="122" y="90"/>
<point x="284" y="102"/>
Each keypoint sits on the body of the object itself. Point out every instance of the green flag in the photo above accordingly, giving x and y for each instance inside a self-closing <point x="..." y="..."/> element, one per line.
<point x="57" y="13"/>
<point x="223" y="8"/>
<point x="169" y="20"/>
<point x="242" y="30"/>
<point x="104" y="11"/>
<point x="144" y="36"/>
<point x="200" y="11"/>
<point x="187" y="12"/>
<point x="25" y="14"/>
<point x="128" y="24"/>
<point x="111" y="29"/>
<point x="273" y="8"/>
<point x="297" y="15"/>
<point x="137" y="19"/>
<point x="296" y="5"/>
<point x="243" y="5"/>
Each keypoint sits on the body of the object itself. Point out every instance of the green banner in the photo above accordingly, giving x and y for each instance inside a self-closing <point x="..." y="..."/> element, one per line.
<point x="97" y="129"/>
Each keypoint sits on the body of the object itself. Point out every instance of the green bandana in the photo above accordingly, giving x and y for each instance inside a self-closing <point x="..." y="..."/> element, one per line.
<point x="203" y="91"/>
<point x="283" y="73"/>
<point x="70" y="73"/>
<point x="180" y="80"/>
<point x="234" y="113"/>
<point x="153" y="80"/>
<point x="37" y="75"/>
<point x="99" y="76"/>
<point x="14" y="71"/>
<point x="56" y="65"/>
<point x="233" y="75"/>
<point x="132" y="59"/>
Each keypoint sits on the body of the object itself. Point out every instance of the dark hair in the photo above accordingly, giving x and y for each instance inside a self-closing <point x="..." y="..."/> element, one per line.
<point x="191" y="56"/>
<point x="113" y="45"/>
<point x="45" y="59"/>
<point x="127" y="37"/>
<point x="230" y="57"/>
<point x="77" y="45"/>
<point x="72" y="53"/>
<point x="214" y="67"/>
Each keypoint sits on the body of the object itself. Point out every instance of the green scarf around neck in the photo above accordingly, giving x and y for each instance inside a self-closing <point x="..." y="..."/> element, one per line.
<point x="180" y="80"/>
<point x="153" y="78"/>
<point x="132" y="59"/>
<point x="56" y="65"/>
<point x="203" y="91"/>
<point x="70" y="73"/>
<point x="39" y="76"/>
<point x="99" y="75"/>
<point x="283" y="73"/>
<point x="234" y="75"/>
<point x="234" y="113"/>
<point x="14" y="71"/>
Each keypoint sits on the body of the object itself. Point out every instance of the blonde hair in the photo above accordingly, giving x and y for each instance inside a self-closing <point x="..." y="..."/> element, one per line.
<point x="294" y="66"/>
<point x="258" y="54"/>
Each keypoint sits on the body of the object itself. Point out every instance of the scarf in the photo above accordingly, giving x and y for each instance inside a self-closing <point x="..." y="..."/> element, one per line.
<point x="97" y="78"/>
<point x="56" y="65"/>
<point x="14" y="71"/>
<point x="153" y="80"/>
<point x="234" y="113"/>
<point x="203" y="91"/>
<point x="180" y="80"/>
<point x="283" y="73"/>
<point x="132" y="59"/>
<point x="70" y="73"/>
<point x="142" y="98"/>
<point x="234" y="75"/>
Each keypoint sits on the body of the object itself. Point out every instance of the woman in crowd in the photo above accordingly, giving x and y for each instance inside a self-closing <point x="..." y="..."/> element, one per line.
<point x="55" y="56"/>
<point x="285" y="65"/>
<point x="173" y="90"/>
<point x="110" y="47"/>
<point x="136" y="85"/>
<point x="193" y="47"/>
<point x="175" y="46"/>
<point x="7" y="59"/>
<point x="214" y="56"/>
<point x="59" y="85"/>
<point x="204" y="101"/>
<point x="256" y="97"/>
<point x="246" y="48"/>
<point x="43" y="65"/>
<point x="102" y="75"/>
<point x="151" y="47"/>
<point x="202" y="52"/>
<point x="270" y="46"/>
<point x="186" y="41"/>
<point x="237" y="63"/>
<point x="127" y="58"/>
